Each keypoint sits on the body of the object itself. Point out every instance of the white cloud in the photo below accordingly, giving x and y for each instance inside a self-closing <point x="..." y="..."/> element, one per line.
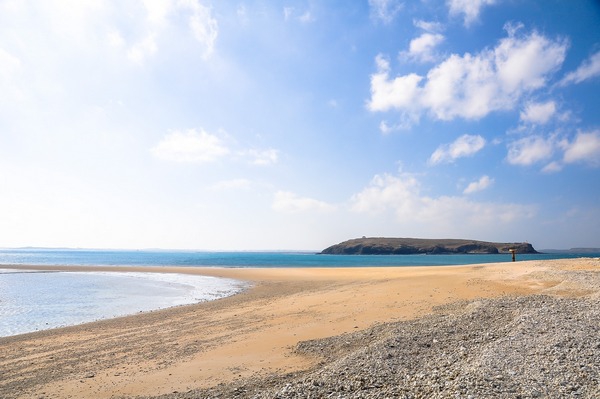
<point x="242" y="14"/>
<point x="287" y="12"/>
<point x="9" y="68"/>
<point x="469" y="8"/>
<point x="404" y="123"/>
<point x="386" y="94"/>
<point x="479" y="185"/>
<point x="523" y="64"/>
<point x="198" y="146"/>
<point x="530" y="150"/>
<point x="142" y="50"/>
<point x="471" y="86"/>
<point x="387" y="191"/>
<point x="8" y="63"/>
<point x="142" y="43"/>
<point x="287" y="202"/>
<point x="157" y="11"/>
<point x="306" y="17"/>
<point x="428" y="26"/>
<point x="552" y="167"/>
<point x="190" y="146"/>
<point x="587" y="70"/>
<point x="233" y="184"/>
<point x="464" y="146"/>
<point x="263" y="157"/>
<point x="584" y="148"/>
<point x="115" y="39"/>
<point x="385" y="128"/>
<point x="538" y="113"/>
<point x="204" y="27"/>
<point x="421" y="48"/>
<point x="385" y="10"/>
<point x="401" y="195"/>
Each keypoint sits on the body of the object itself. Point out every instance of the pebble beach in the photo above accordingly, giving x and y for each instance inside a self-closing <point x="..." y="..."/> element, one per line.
<point x="524" y="330"/>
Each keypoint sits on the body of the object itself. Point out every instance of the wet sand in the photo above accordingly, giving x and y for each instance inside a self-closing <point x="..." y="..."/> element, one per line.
<point x="252" y="333"/>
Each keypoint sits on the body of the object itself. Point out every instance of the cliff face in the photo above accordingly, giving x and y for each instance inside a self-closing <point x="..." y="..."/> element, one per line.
<point x="409" y="246"/>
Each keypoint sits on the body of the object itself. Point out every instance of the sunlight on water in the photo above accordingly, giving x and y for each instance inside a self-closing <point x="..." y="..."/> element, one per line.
<point x="31" y="301"/>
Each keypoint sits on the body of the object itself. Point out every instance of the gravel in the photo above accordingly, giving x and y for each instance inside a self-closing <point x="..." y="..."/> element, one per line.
<point x="512" y="347"/>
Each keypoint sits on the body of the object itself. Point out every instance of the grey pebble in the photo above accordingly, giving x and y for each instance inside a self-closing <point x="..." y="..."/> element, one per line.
<point x="512" y="347"/>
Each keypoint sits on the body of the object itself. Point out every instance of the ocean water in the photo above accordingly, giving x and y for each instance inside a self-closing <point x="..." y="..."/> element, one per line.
<point x="246" y="259"/>
<point x="31" y="301"/>
<point x="38" y="300"/>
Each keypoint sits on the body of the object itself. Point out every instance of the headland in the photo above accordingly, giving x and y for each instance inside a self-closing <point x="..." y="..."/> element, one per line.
<point x="411" y="246"/>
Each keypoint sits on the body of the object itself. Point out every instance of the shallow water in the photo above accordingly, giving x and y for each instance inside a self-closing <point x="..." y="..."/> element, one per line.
<point x="35" y="300"/>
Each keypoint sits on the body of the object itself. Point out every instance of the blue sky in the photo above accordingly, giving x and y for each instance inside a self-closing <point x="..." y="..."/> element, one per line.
<point x="261" y="125"/>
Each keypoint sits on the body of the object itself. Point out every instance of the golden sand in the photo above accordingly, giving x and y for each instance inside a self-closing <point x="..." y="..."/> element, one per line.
<point x="250" y="333"/>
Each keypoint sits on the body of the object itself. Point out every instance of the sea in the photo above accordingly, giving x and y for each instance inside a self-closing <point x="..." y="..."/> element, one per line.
<point x="34" y="300"/>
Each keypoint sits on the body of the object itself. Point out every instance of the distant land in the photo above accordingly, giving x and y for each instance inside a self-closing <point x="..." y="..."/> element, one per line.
<point x="411" y="246"/>
<point x="572" y="251"/>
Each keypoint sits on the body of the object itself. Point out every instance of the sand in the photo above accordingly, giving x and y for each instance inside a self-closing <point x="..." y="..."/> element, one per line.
<point x="252" y="333"/>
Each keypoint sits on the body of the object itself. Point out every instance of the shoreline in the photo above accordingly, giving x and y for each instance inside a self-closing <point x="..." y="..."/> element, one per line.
<point x="38" y="300"/>
<point x="253" y="334"/>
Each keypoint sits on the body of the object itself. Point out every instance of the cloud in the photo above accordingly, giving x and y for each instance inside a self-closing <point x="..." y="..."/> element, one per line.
<point x="10" y="67"/>
<point x="287" y="202"/>
<point x="388" y="191"/>
<point x="401" y="195"/>
<point x="287" y="12"/>
<point x="142" y="50"/>
<point x="203" y="25"/>
<point x="590" y="68"/>
<point x="263" y="157"/>
<point x="479" y="185"/>
<point x="469" y="8"/>
<point x="584" y="148"/>
<point x="428" y="26"/>
<point x="159" y="17"/>
<point x="464" y="146"/>
<point x="530" y="150"/>
<point x="471" y="86"/>
<point x="8" y="63"/>
<point x="192" y="146"/>
<point x="421" y="48"/>
<point x="305" y="18"/>
<point x="385" y="10"/>
<point x="552" y="167"/>
<point x="199" y="146"/>
<point x="233" y="184"/>
<point x="538" y="113"/>
<point x="404" y="123"/>
<point x="157" y="11"/>
<point x="398" y="93"/>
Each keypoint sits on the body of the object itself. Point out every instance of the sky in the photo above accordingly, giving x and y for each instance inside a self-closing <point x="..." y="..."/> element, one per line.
<point x="294" y="125"/>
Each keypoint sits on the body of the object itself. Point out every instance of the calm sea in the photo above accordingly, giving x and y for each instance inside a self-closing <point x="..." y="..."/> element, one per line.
<point x="246" y="259"/>
<point x="36" y="300"/>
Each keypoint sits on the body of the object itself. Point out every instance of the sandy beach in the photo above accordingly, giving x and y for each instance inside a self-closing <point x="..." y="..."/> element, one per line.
<point x="255" y="334"/>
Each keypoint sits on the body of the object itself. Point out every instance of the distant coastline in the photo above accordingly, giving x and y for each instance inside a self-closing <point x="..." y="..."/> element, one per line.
<point x="571" y="251"/>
